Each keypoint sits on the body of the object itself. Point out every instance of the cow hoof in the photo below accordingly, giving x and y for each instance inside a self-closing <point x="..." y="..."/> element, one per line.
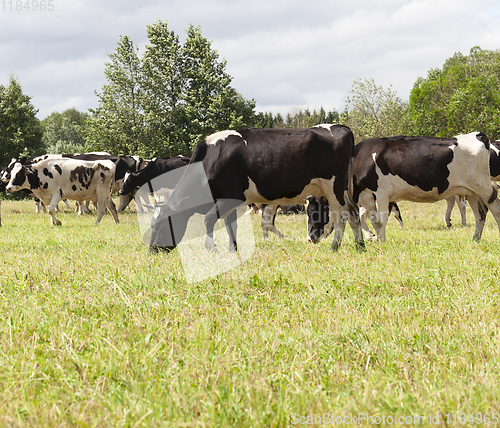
<point x="335" y="245"/>
<point x="57" y="223"/>
<point x="360" y="246"/>
<point x="156" y="249"/>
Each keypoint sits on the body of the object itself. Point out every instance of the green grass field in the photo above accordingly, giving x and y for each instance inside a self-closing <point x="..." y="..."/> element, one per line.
<point x="96" y="332"/>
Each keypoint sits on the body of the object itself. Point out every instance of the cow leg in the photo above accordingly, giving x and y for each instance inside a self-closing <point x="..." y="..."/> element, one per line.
<point x="51" y="208"/>
<point x="380" y="217"/>
<point x="363" y="216"/>
<point x="232" y="228"/>
<point x="219" y="210"/>
<point x="450" y="203"/>
<point x="355" y="223"/>
<point x="337" y="220"/>
<point x="480" y="210"/>
<point x="493" y="204"/>
<point x="368" y="211"/>
<point x="110" y="205"/>
<point x="267" y="221"/>
<point x="85" y="206"/>
<point x="38" y="204"/>
<point x="68" y="206"/>
<point x="462" y="206"/>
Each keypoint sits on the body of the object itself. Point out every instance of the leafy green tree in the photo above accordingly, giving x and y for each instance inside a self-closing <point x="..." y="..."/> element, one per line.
<point x="118" y="124"/>
<point x="62" y="132"/>
<point x="163" y="103"/>
<point x="163" y="81"/>
<point x="461" y="97"/>
<point x="20" y="130"/>
<point x="372" y="111"/>
<point x="211" y="103"/>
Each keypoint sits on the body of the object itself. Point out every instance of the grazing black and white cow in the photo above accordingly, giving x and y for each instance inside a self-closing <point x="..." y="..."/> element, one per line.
<point x="54" y="179"/>
<point x="262" y="166"/>
<point x="461" y="202"/>
<point x="125" y="199"/>
<point x="318" y="216"/>
<point x="424" y="169"/>
<point x="153" y="169"/>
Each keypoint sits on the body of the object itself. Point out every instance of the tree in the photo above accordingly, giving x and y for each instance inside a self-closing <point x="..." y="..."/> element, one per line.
<point x="372" y="111"/>
<point x="211" y="103"/>
<point x="165" y="102"/>
<point x="62" y="132"/>
<point x="163" y="78"/>
<point x="461" y="97"/>
<point x="20" y="130"/>
<point x="297" y="119"/>
<point x="118" y="124"/>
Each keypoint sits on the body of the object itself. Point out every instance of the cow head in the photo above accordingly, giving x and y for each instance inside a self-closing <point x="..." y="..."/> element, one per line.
<point x="191" y="195"/>
<point x="169" y="223"/>
<point x="17" y="178"/>
<point x="129" y="183"/>
<point x="22" y="177"/>
<point x="318" y="216"/>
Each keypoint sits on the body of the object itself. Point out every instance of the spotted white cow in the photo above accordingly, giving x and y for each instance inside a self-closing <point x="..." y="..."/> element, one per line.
<point x="424" y="169"/>
<point x="51" y="180"/>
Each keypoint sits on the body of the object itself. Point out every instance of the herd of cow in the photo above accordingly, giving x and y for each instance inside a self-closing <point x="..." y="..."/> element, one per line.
<point x="321" y="166"/>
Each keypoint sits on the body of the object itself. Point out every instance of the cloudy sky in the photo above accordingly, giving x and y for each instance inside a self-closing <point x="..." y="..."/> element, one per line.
<point x="285" y="54"/>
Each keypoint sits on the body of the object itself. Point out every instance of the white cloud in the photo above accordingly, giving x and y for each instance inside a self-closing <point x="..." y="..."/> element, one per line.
<point x="284" y="54"/>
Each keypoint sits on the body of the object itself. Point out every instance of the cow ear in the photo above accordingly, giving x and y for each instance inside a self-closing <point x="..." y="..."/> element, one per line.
<point x="484" y="139"/>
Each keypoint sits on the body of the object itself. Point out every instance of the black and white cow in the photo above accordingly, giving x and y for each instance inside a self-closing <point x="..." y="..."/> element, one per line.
<point x="125" y="199"/>
<point x="424" y="169"/>
<point x="123" y="165"/>
<point x="6" y="174"/>
<point x="461" y="202"/>
<point x="54" y="179"/>
<point x="153" y="169"/>
<point x="262" y="166"/>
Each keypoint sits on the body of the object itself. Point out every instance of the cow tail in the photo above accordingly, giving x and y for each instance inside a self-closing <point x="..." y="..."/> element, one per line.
<point x="351" y="205"/>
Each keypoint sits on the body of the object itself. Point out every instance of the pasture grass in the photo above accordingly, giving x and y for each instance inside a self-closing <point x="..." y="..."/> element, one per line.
<point x="96" y="332"/>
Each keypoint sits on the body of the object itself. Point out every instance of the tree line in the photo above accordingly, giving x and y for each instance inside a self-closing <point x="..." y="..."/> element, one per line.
<point x="161" y="103"/>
